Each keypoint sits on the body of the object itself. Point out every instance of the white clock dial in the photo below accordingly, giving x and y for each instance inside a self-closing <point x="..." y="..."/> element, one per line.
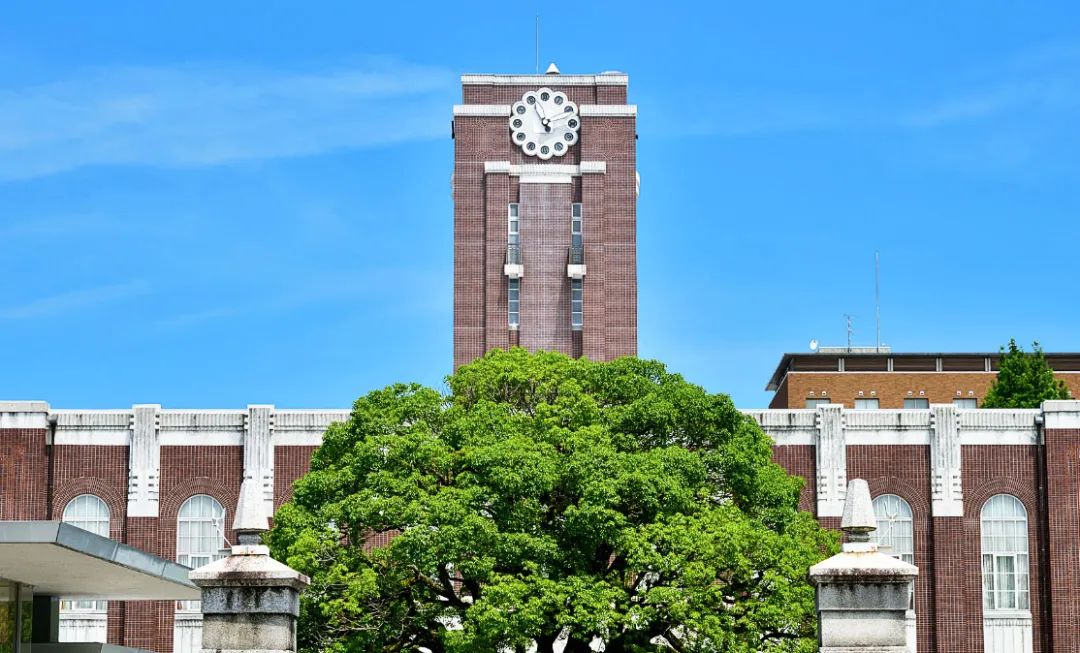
<point x="544" y="123"/>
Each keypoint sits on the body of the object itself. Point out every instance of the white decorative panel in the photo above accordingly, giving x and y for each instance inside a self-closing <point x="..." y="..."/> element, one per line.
<point x="945" y="481"/>
<point x="1007" y="633"/>
<point x="831" y="461"/>
<point x="259" y="452"/>
<point x="144" y="461"/>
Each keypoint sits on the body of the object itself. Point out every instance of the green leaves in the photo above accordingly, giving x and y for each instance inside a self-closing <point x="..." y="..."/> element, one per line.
<point x="1024" y="380"/>
<point x="546" y="499"/>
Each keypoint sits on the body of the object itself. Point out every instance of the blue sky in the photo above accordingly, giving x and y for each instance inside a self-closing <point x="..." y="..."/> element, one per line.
<point x="214" y="204"/>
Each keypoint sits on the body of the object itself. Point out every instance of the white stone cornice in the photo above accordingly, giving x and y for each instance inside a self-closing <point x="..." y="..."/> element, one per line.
<point x="603" y="79"/>
<point x="552" y="171"/>
<point x="24" y="414"/>
<point x="608" y="110"/>
<point x="585" y="110"/>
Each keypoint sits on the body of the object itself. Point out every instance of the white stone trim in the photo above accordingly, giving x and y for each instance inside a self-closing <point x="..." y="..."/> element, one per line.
<point x="870" y="438"/>
<point x="602" y="79"/>
<point x="998" y="438"/>
<point x="202" y="439"/>
<point x="298" y="439"/>
<point x="607" y="110"/>
<point x="584" y="110"/>
<point x="1062" y="414"/>
<point x="544" y="169"/>
<point x="24" y="415"/>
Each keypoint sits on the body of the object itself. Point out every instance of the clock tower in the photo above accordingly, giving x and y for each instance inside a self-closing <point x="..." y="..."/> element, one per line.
<point x="545" y="209"/>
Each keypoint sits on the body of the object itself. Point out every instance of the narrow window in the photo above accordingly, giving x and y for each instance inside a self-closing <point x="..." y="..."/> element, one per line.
<point x="916" y="404"/>
<point x="867" y="404"/>
<point x="577" y="246"/>
<point x="577" y="315"/>
<point x="513" y="309"/>
<point x="1004" y="554"/>
<point x="966" y="404"/>
<point x="814" y="403"/>
<point x="513" y="235"/>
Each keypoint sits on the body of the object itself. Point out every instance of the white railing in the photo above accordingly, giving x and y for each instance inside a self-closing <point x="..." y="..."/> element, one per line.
<point x="83" y="626"/>
<point x="1008" y="632"/>
<point x="187" y="632"/>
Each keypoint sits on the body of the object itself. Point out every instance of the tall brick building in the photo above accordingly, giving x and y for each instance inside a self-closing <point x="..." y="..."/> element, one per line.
<point x="545" y="194"/>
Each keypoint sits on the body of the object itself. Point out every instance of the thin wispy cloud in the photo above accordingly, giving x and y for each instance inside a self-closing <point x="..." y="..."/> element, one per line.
<point x="1044" y="80"/>
<point x="210" y="114"/>
<point x="75" y="300"/>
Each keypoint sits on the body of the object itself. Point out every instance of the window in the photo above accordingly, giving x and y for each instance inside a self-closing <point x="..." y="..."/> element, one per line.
<point x="966" y="404"/>
<point x="513" y="309"/>
<point x="814" y="403"/>
<point x="895" y="535"/>
<point x="200" y="535"/>
<point x="577" y="316"/>
<point x="1004" y="554"/>
<point x="916" y="403"/>
<point x="867" y="404"/>
<point x="89" y="513"/>
<point x="513" y="235"/>
<point x="575" y="225"/>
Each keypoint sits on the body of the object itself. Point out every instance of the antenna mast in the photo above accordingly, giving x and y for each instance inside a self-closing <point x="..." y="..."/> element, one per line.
<point x="537" y="44"/>
<point x="850" y="330"/>
<point x="877" y="296"/>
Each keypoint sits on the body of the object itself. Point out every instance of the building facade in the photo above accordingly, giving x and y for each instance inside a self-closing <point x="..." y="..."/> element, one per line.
<point x="985" y="502"/>
<point x="545" y="196"/>
<point x="869" y="378"/>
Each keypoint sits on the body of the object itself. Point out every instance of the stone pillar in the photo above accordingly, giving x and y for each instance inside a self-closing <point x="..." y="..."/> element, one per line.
<point x="862" y="595"/>
<point x="250" y="602"/>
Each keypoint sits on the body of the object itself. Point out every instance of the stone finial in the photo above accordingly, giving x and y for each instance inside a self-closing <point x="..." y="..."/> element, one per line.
<point x="863" y="595"/>
<point x="552" y="69"/>
<point x="859" y="520"/>
<point x="251" y="518"/>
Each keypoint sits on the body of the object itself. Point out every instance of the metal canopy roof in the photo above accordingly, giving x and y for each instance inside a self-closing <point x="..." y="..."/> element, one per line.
<point x="63" y="560"/>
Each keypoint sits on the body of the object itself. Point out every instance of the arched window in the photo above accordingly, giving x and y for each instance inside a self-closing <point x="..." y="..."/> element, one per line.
<point x="200" y="535"/>
<point x="895" y="534"/>
<point x="1005" y="554"/>
<point x="200" y="531"/>
<point x="89" y="513"/>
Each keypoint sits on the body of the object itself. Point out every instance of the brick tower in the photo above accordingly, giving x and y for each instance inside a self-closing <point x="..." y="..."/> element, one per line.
<point x="545" y="210"/>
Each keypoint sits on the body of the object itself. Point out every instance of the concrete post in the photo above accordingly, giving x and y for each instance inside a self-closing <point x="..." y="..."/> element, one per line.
<point x="862" y="595"/>
<point x="250" y="602"/>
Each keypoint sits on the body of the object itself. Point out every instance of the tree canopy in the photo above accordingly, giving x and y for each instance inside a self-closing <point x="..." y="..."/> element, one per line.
<point x="1024" y="380"/>
<point x="548" y="502"/>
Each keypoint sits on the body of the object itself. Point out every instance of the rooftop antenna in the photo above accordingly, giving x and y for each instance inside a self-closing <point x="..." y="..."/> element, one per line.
<point x="877" y="296"/>
<point x="537" y="44"/>
<point x="850" y="330"/>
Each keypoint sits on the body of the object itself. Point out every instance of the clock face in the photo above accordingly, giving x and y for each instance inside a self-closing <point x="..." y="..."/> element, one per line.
<point x="544" y="123"/>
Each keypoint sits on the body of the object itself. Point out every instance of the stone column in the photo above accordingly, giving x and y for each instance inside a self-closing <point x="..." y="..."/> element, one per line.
<point x="250" y="602"/>
<point x="862" y="595"/>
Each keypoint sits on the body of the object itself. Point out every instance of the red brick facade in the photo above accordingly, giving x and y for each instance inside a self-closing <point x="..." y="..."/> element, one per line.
<point x="488" y="177"/>
<point x="42" y="469"/>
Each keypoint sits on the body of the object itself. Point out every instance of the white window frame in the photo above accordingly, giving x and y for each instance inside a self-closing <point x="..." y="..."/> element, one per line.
<point x="200" y="536"/>
<point x="871" y="403"/>
<point x="966" y="403"/>
<point x="923" y="401"/>
<point x="812" y="402"/>
<point x="1005" y="557"/>
<point x="90" y="513"/>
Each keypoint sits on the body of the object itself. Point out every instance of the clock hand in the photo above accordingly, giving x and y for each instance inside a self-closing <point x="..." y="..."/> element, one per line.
<point x="562" y="116"/>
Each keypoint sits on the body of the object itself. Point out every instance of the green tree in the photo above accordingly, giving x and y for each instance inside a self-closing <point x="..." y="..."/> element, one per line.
<point x="1024" y="380"/>
<point x="547" y="497"/>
